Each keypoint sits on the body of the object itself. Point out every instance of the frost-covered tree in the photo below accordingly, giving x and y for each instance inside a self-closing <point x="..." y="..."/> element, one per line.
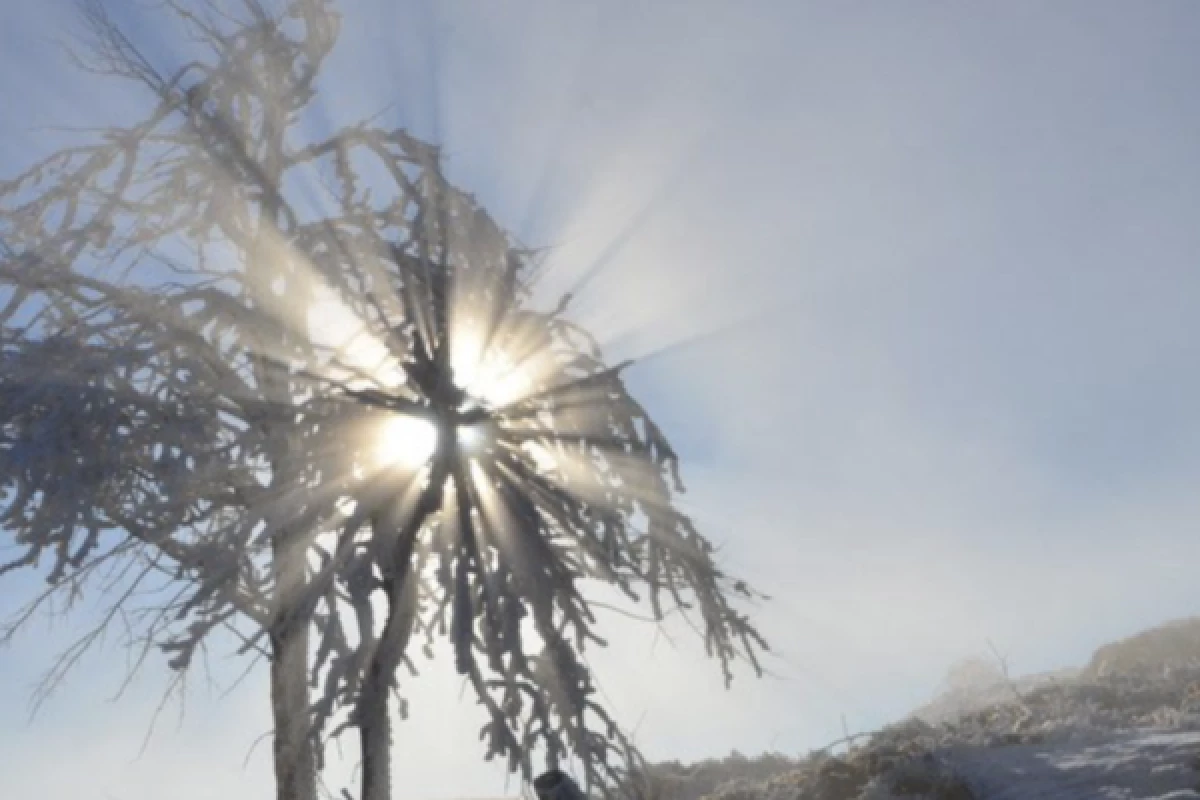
<point x="296" y="388"/>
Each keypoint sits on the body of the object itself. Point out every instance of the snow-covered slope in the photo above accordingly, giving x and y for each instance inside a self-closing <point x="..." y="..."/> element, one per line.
<point x="1127" y="727"/>
<point x="1131" y="765"/>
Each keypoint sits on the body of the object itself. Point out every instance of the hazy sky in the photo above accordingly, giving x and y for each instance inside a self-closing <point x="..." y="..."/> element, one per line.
<point x="926" y="276"/>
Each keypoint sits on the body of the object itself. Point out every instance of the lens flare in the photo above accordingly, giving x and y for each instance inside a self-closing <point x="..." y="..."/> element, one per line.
<point x="406" y="441"/>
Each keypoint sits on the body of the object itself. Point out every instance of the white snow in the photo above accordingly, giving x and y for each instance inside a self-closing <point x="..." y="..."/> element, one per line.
<point x="1129" y="765"/>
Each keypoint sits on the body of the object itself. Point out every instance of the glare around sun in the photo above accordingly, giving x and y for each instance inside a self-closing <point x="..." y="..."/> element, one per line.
<point x="406" y="441"/>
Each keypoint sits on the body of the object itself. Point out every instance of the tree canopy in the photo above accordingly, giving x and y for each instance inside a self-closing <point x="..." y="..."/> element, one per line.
<point x="300" y="386"/>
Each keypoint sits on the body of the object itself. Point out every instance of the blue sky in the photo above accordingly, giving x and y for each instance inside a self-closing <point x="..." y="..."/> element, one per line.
<point x="951" y="252"/>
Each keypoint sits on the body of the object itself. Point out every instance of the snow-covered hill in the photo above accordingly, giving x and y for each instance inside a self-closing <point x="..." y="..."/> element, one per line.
<point x="1122" y="765"/>
<point x="1124" y="727"/>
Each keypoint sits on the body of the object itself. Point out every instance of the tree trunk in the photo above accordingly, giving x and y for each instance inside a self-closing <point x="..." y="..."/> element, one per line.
<point x="375" y="735"/>
<point x="295" y="764"/>
<point x="373" y="709"/>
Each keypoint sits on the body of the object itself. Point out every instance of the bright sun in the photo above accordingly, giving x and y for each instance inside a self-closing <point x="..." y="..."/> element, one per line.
<point x="484" y="380"/>
<point x="470" y="438"/>
<point x="406" y="441"/>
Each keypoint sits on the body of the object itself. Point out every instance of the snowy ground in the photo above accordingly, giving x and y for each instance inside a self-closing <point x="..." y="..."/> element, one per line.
<point x="1119" y="740"/>
<point x="1122" y="766"/>
<point x="1125" y="727"/>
